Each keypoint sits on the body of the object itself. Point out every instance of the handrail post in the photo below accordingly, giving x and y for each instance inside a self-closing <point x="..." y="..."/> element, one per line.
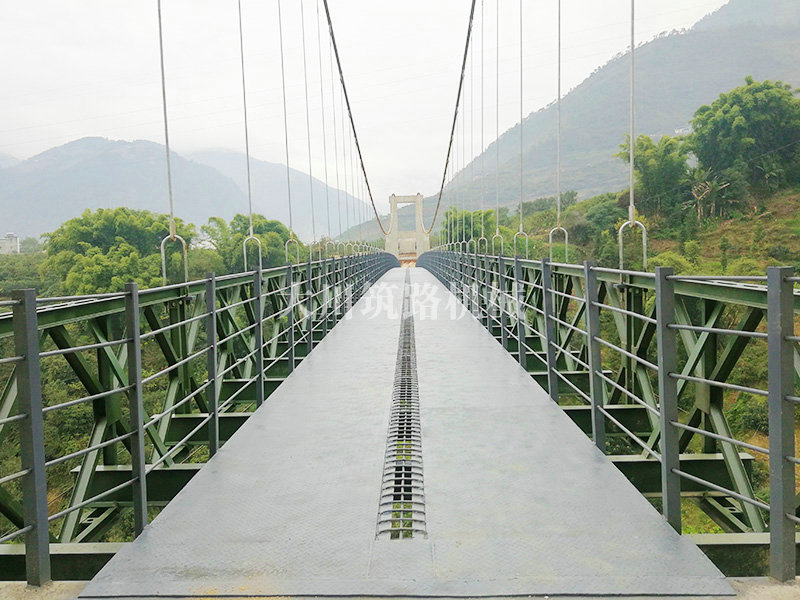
<point x="348" y="283"/>
<point x="339" y="302"/>
<point x="597" y="391"/>
<point x="780" y="324"/>
<point x="549" y="330"/>
<point x="212" y="392"/>
<point x="501" y="300"/>
<point x="258" y="311"/>
<point x="485" y="294"/>
<point x="309" y="306"/>
<point x="290" y="316"/>
<point x="668" y="396"/>
<point x="462" y="277"/>
<point x="522" y="354"/>
<point x="325" y="296"/>
<point x="474" y="287"/>
<point x="334" y="275"/>
<point x="466" y="285"/>
<point x="136" y="408"/>
<point x="31" y="434"/>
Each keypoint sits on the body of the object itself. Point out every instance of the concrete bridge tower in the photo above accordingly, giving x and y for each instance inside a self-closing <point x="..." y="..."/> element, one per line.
<point x="407" y="245"/>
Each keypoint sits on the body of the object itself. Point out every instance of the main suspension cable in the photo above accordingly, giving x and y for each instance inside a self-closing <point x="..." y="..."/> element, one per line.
<point x="427" y="230"/>
<point x="352" y="122"/>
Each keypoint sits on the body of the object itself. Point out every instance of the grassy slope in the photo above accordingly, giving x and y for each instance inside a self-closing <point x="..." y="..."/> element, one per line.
<point x="781" y="226"/>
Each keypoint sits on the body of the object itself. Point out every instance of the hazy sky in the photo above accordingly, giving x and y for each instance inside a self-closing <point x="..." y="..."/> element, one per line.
<point x="90" y="68"/>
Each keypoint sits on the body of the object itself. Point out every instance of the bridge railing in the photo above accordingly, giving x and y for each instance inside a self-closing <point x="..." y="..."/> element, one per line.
<point x="109" y="402"/>
<point x="654" y="366"/>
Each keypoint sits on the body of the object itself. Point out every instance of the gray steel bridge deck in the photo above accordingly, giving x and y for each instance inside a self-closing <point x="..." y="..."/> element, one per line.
<point x="289" y="505"/>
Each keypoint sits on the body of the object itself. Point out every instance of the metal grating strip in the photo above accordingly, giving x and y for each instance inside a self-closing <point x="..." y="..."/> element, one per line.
<point x="401" y="512"/>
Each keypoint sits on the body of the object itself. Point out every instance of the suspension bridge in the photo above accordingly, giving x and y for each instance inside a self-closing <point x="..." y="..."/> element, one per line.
<point x="476" y="424"/>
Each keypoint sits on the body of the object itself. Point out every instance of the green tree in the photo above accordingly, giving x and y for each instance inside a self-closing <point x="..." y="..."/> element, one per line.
<point x="759" y="235"/>
<point x="18" y="271"/>
<point x="724" y="246"/>
<point x="661" y="170"/>
<point x="30" y="245"/>
<point x="102" y="250"/>
<point x="671" y="259"/>
<point x="227" y="239"/>
<point x="753" y="129"/>
<point x="691" y="250"/>
<point x="202" y="261"/>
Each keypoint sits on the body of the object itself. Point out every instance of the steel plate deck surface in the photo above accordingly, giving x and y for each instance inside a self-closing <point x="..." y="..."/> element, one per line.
<point x="518" y="501"/>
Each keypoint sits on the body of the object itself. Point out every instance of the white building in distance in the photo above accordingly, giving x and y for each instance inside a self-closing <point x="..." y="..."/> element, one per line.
<point x="9" y="244"/>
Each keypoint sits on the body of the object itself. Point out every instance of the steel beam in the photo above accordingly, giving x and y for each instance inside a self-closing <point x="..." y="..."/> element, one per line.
<point x="780" y="326"/>
<point x="31" y="438"/>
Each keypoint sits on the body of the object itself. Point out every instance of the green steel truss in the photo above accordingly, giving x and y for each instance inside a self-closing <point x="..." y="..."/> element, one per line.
<point x="205" y="355"/>
<point x="183" y="342"/>
<point x="719" y="327"/>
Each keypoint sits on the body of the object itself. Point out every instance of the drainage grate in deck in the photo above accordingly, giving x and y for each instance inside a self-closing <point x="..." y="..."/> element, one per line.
<point x="401" y="513"/>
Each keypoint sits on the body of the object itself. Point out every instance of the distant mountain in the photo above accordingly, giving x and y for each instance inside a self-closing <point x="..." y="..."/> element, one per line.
<point x="676" y="74"/>
<point x="270" y="192"/>
<point x="40" y="193"/>
<point x="6" y="160"/>
<point x="752" y="12"/>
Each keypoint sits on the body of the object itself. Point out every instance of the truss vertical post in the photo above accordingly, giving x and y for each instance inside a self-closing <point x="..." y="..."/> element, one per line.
<point x="476" y="287"/>
<point x="290" y="314"/>
<point x="136" y="408"/>
<point x="549" y="329"/>
<point x="596" y="392"/>
<point x="31" y="433"/>
<point x="468" y="283"/>
<point x="668" y="396"/>
<point x="325" y="296"/>
<point x="310" y="306"/>
<point x="520" y="299"/>
<point x="335" y="299"/>
<point x="463" y="282"/>
<point x="485" y="308"/>
<point x="258" y="311"/>
<point x="501" y="301"/>
<point x="456" y="280"/>
<point x="212" y="391"/>
<point x="780" y="325"/>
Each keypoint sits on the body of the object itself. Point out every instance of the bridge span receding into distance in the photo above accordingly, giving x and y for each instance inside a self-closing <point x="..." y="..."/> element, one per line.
<point x="477" y="426"/>
<point x="296" y="503"/>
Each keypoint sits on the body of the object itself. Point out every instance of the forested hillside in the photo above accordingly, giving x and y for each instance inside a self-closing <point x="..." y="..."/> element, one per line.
<point x="724" y="198"/>
<point x="676" y="73"/>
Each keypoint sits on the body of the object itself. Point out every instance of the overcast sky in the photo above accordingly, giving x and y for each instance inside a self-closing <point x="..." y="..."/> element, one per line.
<point x="90" y="68"/>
